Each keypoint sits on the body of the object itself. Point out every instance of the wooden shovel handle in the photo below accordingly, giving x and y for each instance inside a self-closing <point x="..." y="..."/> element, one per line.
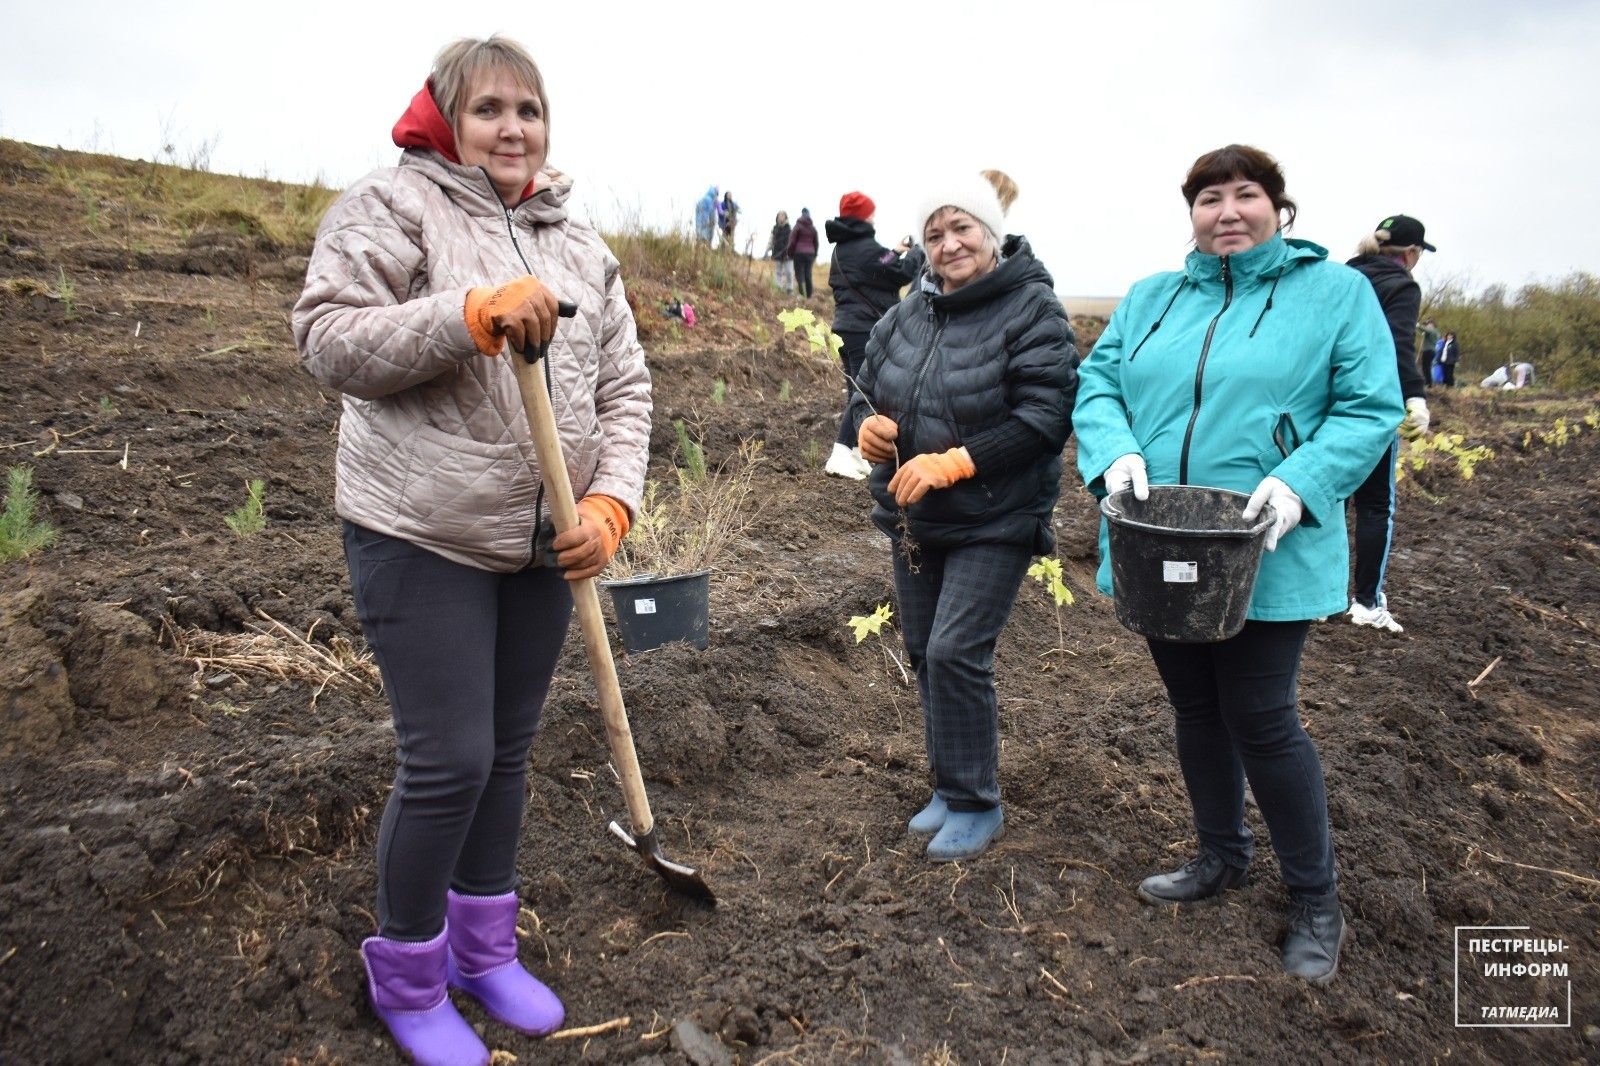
<point x="585" y="593"/>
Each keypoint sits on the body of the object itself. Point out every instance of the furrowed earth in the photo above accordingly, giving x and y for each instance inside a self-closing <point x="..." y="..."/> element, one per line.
<point x="195" y="755"/>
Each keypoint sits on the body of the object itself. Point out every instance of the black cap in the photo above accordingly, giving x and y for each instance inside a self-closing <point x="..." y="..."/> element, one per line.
<point x="1405" y="231"/>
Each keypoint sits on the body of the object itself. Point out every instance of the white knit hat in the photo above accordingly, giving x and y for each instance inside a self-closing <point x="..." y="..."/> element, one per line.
<point x="972" y="193"/>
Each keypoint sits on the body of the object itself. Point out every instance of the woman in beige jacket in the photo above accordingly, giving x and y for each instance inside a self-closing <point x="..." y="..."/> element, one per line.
<point x="422" y="276"/>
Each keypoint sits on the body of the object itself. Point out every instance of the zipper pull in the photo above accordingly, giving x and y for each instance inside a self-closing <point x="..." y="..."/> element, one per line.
<point x="1227" y="272"/>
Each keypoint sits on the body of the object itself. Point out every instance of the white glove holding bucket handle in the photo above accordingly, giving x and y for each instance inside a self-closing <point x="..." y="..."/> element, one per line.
<point x="1127" y="471"/>
<point x="1285" y="504"/>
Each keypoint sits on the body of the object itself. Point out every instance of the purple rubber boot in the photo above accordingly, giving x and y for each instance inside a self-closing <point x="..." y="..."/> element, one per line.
<point x="407" y="983"/>
<point x="483" y="964"/>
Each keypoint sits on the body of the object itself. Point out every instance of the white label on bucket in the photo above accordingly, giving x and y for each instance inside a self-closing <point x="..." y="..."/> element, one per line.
<point x="649" y="606"/>
<point x="1181" y="573"/>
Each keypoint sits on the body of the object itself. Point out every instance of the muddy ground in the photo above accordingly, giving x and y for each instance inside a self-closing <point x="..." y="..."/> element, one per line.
<point x="185" y="850"/>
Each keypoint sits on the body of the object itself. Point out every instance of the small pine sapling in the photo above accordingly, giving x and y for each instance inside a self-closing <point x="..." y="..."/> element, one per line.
<point x="250" y="519"/>
<point x="20" y="533"/>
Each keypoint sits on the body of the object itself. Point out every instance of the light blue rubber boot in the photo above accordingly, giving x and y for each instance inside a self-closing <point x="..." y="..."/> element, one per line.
<point x="930" y="819"/>
<point x="966" y="835"/>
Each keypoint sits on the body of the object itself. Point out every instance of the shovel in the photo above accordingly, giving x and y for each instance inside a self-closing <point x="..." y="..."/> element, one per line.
<point x="586" y="599"/>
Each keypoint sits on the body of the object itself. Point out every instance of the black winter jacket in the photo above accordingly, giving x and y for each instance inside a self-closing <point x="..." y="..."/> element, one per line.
<point x="1401" y="299"/>
<point x="992" y="367"/>
<point x="866" y="277"/>
<point x="778" y="246"/>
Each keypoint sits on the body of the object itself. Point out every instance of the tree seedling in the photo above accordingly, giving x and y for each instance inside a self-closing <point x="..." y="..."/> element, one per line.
<point x="1046" y="571"/>
<point x="871" y="625"/>
<point x="250" y="519"/>
<point x="694" y="456"/>
<point x="20" y="534"/>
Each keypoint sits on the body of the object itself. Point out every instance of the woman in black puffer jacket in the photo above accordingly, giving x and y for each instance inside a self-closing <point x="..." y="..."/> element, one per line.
<point x="968" y="388"/>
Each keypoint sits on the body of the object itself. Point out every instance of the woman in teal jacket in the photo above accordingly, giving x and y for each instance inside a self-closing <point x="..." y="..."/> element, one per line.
<point x="1263" y="368"/>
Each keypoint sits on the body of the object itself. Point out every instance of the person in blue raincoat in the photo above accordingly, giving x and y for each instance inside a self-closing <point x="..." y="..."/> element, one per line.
<point x="1262" y="368"/>
<point x="705" y="215"/>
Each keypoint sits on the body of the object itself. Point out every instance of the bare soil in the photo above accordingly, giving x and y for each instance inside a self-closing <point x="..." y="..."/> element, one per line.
<point x="185" y="850"/>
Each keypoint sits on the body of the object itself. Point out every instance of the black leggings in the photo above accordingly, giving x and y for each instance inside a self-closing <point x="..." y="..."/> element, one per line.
<point x="852" y="354"/>
<point x="466" y="657"/>
<point x="802" y="274"/>
<point x="1238" y="717"/>
<point x="1374" y="505"/>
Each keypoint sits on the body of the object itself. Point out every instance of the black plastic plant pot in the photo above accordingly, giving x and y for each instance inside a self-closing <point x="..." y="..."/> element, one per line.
<point x="1183" y="563"/>
<point x="652" y="611"/>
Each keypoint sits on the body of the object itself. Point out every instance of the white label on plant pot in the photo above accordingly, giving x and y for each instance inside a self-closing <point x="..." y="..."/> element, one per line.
<point x="644" y="606"/>
<point x="1180" y="573"/>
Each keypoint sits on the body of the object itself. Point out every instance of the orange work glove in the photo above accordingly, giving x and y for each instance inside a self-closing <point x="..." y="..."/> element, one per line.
<point x="521" y="311"/>
<point x="929" y="471"/>
<point x="585" y="549"/>
<point x="876" y="439"/>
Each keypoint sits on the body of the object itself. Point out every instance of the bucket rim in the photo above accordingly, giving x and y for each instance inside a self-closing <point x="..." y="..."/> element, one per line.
<point x="1116" y="517"/>
<point x="653" y="579"/>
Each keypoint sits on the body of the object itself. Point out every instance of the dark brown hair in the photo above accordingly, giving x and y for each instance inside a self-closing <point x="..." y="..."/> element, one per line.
<point x="1239" y="162"/>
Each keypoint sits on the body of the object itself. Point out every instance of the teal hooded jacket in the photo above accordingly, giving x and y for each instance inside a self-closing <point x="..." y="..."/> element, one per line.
<point x="1270" y="361"/>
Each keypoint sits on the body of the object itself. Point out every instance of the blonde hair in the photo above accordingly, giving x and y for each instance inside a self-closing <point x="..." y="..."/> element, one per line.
<point x="1005" y="188"/>
<point x="1377" y="243"/>
<point x="461" y="63"/>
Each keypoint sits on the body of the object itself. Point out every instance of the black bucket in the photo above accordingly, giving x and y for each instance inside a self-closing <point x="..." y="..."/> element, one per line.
<point x="1183" y="563"/>
<point x="652" y="611"/>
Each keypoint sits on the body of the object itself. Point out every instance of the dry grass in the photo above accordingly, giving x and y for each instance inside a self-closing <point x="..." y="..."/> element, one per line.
<point x="145" y="206"/>
<point x="274" y="650"/>
<point x="694" y="526"/>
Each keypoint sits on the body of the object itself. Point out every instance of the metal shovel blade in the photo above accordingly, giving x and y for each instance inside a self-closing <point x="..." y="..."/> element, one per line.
<point x="678" y="877"/>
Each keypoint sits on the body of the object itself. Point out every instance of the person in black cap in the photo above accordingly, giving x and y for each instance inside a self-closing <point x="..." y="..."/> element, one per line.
<point x="1386" y="257"/>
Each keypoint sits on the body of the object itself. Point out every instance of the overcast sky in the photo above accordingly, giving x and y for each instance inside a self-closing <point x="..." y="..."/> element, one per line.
<point x="1476" y="116"/>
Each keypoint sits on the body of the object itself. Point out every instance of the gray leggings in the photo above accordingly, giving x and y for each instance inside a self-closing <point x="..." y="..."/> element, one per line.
<point x="466" y="657"/>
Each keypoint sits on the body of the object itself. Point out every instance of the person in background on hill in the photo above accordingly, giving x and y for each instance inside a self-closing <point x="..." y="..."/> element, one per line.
<point x="1510" y="376"/>
<point x="728" y="219"/>
<point x="866" y="279"/>
<point x="1262" y="368"/>
<point x="1430" y="341"/>
<point x="706" y="210"/>
<point x="425" y="281"/>
<point x="1449" y="356"/>
<point x="803" y="245"/>
<point x="1386" y="257"/>
<point x="965" y="406"/>
<point x="778" y="249"/>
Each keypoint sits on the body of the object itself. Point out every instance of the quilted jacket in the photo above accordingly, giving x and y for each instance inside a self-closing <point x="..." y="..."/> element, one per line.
<point x="434" y="446"/>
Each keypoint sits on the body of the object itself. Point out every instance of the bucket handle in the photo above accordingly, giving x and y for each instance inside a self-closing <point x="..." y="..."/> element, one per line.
<point x="1263" y="523"/>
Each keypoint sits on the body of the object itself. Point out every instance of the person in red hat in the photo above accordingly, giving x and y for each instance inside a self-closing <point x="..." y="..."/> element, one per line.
<point x="866" y="279"/>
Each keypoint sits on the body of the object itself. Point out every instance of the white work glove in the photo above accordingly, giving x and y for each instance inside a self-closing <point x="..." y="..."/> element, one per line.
<point x="1127" y="471"/>
<point x="1417" y="419"/>
<point x="1285" y="504"/>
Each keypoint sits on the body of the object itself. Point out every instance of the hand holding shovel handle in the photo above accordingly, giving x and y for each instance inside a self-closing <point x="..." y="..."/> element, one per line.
<point x="586" y="600"/>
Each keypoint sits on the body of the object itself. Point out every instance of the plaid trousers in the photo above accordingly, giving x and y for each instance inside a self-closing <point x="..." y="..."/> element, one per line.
<point x="952" y="608"/>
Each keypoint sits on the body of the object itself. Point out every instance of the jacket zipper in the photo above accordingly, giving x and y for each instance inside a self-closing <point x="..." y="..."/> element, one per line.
<point x="922" y="373"/>
<point x="1200" y="370"/>
<point x="539" y="507"/>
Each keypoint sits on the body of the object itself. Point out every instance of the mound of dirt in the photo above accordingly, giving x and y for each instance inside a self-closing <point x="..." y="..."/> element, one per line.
<point x="194" y="754"/>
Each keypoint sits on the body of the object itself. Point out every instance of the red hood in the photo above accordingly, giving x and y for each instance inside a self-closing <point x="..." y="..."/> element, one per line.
<point x="423" y="126"/>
